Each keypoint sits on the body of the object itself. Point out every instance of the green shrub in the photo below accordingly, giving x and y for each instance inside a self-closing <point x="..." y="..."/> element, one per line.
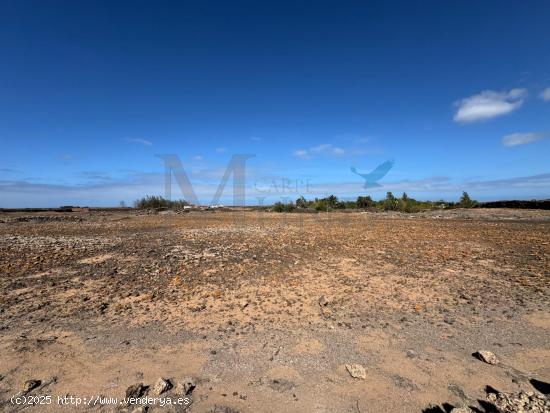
<point x="302" y="203"/>
<point x="390" y="203"/>
<point x="281" y="207"/>
<point x="466" y="201"/>
<point x="364" y="202"/>
<point x="156" y="202"/>
<point x="321" y="205"/>
<point x="278" y="207"/>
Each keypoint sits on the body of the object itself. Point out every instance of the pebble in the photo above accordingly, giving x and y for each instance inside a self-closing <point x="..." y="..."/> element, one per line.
<point x="30" y="385"/>
<point x="186" y="386"/>
<point x="522" y="402"/>
<point x="357" y="371"/>
<point x="487" y="357"/>
<point x="161" y="385"/>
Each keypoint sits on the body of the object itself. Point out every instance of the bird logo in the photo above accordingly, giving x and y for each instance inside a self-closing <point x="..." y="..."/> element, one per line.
<point x="372" y="178"/>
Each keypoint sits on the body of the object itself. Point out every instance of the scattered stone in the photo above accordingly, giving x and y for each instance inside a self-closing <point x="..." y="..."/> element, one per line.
<point x="47" y="218"/>
<point x="525" y="402"/>
<point x="30" y="385"/>
<point x="136" y="390"/>
<point x="486" y="356"/>
<point x="411" y="354"/>
<point x="323" y="302"/>
<point x="186" y="386"/>
<point x="161" y="386"/>
<point x="357" y="371"/>
<point x="141" y="409"/>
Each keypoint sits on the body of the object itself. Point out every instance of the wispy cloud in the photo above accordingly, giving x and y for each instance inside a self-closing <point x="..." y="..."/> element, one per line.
<point x="545" y="94"/>
<point x="198" y="158"/>
<point x="301" y="153"/>
<point x="95" y="176"/>
<point x="221" y="149"/>
<point x="488" y="104"/>
<point x="140" y="141"/>
<point x="66" y="157"/>
<point x="323" y="149"/>
<point x="524" y="187"/>
<point x="515" y="139"/>
<point x="21" y="193"/>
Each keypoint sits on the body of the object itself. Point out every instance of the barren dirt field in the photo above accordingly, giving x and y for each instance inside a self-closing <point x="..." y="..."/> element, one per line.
<point x="339" y="312"/>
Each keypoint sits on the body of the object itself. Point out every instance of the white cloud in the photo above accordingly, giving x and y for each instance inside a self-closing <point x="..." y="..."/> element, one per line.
<point x="323" y="149"/>
<point x="301" y="153"/>
<point x="488" y="104"/>
<point x="515" y="139"/>
<point x="140" y="141"/>
<point x="198" y="158"/>
<point x="221" y="149"/>
<point x="545" y="94"/>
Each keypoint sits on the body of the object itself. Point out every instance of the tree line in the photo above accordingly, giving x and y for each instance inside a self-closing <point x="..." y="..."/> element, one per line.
<point x="389" y="203"/>
<point x="330" y="203"/>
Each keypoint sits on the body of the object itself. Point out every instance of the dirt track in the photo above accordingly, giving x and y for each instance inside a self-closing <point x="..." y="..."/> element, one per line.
<point x="265" y="314"/>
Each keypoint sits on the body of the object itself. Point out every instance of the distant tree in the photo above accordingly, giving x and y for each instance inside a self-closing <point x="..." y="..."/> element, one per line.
<point x="466" y="201"/>
<point x="321" y="204"/>
<point x="390" y="203"/>
<point x="155" y="202"/>
<point x="278" y="206"/>
<point x="332" y="200"/>
<point x="301" y="202"/>
<point x="404" y="197"/>
<point x="340" y="205"/>
<point x="122" y="204"/>
<point x="283" y="206"/>
<point x="364" y="202"/>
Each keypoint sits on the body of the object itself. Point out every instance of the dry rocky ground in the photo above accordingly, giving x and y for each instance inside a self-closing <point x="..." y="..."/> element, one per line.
<point x="262" y="312"/>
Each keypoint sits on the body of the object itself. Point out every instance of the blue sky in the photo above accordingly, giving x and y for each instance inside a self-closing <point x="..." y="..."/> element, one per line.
<point x="457" y="94"/>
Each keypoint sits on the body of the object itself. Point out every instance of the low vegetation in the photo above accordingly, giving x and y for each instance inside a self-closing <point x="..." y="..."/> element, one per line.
<point x="331" y="203"/>
<point x="389" y="203"/>
<point x="158" y="202"/>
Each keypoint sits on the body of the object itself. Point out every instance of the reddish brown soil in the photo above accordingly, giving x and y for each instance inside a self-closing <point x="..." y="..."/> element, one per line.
<point x="265" y="313"/>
